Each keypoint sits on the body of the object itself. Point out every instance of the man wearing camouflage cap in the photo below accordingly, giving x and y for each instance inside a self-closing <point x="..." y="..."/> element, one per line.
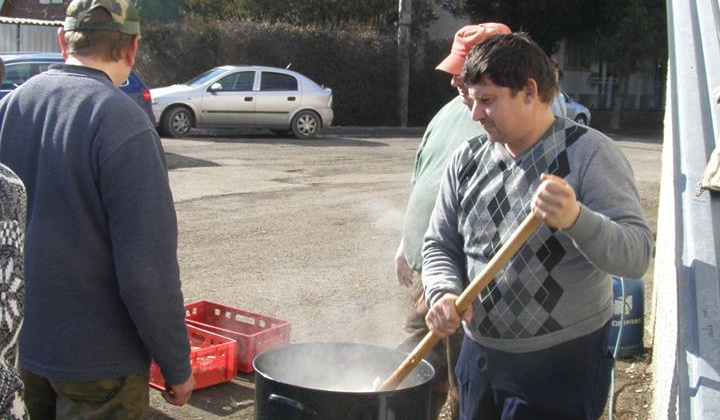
<point x="103" y="291"/>
<point x="449" y="128"/>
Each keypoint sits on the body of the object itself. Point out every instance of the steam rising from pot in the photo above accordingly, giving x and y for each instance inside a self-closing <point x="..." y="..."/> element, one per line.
<point x="342" y="367"/>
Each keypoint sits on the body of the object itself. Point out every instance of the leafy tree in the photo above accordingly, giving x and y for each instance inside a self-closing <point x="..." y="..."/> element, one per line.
<point x="634" y="32"/>
<point x="211" y="9"/>
<point x="159" y="11"/>
<point x="546" y="21"/>
<point x="330" y="14"/>
<point x="622" y="33"/>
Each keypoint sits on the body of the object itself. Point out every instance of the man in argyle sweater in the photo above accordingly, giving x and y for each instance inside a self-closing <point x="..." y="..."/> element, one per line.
<point x="536" y="339"/>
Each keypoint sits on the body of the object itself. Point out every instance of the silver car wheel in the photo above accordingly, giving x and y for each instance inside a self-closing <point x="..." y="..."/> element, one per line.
<point x="181" y="122"/>
<point x="177" y="122"/>
<point x="305" y="125"/>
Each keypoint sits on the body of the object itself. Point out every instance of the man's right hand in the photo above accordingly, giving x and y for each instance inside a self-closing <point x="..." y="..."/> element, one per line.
<point x="180" y="394"/>
<point x="443" y="319"/>
<point x="402" y="270"/>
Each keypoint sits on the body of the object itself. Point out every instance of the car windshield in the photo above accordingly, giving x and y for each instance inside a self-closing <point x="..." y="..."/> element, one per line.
<point x="203" y="78"/>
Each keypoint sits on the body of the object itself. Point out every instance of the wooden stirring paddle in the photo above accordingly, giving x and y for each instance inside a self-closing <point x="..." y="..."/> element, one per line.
<point x="498" y="261"/>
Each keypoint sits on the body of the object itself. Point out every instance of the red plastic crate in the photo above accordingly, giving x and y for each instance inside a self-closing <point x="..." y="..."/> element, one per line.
<point x="212" y="357"/>
<point x="253" y="332"/>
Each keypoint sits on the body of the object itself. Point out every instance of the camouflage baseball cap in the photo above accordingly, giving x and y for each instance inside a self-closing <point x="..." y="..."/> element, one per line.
<point x="125" y="17"/>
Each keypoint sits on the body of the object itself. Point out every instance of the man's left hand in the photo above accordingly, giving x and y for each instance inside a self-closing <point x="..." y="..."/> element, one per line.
<point x="179" y="394"/>
<point x="555" y="202"/>
<point x="404" y="273"/>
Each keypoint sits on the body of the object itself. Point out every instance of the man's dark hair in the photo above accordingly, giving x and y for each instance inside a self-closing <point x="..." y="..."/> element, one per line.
<point x="509" y="60"/>
<point x="105" y="44"/>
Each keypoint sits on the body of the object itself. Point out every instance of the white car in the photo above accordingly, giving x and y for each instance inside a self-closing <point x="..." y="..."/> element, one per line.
<point x="576" y="111"/>
<point x="272" y="98"/>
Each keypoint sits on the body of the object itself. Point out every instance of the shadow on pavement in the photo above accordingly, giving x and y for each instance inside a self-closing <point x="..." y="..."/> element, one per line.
<point x="334" y="136"/>
<point x="234" y="399"/>
<point x="224" y="399"/>
<point x="322" y="140"/>
<point x="377" y="132"/>
<point x="175" y="161"/>
<point x="638" y="138"/>
<point x="155" y="414"/>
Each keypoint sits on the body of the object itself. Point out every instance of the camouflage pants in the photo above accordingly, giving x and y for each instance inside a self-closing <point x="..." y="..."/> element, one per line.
<point x="443" y="356"/>
<point x="117" y="398"/>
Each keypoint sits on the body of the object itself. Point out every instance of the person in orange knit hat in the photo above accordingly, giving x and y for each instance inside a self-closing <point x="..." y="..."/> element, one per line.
<point x="448" y="129"/>
<point x="466" y="38"/>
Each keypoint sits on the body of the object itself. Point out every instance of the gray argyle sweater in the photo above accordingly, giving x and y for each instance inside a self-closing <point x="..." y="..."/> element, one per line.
<point x="557" y="287"/>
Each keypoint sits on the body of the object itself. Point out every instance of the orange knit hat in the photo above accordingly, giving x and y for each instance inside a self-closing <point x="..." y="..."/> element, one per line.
<point x="466" y="38"/>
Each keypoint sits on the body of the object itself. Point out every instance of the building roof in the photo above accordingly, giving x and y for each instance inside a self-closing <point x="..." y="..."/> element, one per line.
<point x="23" y="21"/>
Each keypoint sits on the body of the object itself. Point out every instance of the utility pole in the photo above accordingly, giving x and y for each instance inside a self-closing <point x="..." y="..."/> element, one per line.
<point x="404" y="23"/>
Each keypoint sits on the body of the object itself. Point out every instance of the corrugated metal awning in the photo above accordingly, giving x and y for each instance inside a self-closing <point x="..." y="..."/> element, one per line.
<point x="686" y="350"/>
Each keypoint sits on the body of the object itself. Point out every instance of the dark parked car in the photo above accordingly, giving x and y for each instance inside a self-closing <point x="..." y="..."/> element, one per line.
<point x="21" y="66"/>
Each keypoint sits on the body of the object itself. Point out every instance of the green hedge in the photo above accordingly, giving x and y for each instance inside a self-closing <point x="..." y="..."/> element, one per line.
<point x="360" y="65"/>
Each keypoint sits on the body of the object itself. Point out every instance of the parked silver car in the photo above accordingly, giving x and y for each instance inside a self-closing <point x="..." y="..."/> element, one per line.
<point x="247" y="97"/>
<point x="576" y="111"/>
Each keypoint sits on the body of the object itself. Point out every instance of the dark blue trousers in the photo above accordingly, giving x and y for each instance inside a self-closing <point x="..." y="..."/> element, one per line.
<point x="566" y="382"/>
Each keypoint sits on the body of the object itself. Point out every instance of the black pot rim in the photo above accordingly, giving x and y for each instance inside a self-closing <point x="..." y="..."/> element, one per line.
<point x="258" y="358"/>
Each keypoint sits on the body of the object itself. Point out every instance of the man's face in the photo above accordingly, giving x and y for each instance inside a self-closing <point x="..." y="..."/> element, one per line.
<point x="457" y="83"/>
<point x="502" y="114"/>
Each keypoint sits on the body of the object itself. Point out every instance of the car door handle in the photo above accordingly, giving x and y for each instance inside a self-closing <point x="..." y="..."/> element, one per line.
<point x="291" y="98"/>
<point x="248" y="99"/>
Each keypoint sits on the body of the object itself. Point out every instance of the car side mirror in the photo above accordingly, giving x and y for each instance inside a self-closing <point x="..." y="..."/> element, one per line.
<point x="215" y="87"/>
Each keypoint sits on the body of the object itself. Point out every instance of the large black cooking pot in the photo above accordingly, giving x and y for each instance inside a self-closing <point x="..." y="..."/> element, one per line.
<point x="334" y="381"/>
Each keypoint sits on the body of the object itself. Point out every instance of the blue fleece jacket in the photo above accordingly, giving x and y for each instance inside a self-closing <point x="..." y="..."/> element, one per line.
<point x="102" y="279"/>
